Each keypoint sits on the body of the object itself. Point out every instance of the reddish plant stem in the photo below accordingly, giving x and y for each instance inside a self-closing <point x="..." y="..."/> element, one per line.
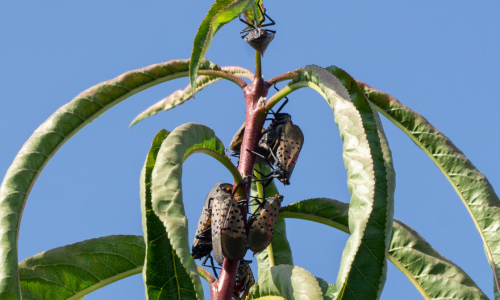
<point x="255" y="118"/>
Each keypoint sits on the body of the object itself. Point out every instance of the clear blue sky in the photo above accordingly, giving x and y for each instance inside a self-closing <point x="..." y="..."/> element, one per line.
<point x="440" y="58"/>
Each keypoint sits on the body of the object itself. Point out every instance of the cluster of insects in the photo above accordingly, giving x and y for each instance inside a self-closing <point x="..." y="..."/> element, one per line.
<point x="222" y="228"/>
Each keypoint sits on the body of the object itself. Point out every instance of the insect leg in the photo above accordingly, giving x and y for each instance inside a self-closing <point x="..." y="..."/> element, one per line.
<point x="214" y="268"/>
<point x="284" y="103"/>
<point x="248" y="24"/>
<point x="266" y="15"/>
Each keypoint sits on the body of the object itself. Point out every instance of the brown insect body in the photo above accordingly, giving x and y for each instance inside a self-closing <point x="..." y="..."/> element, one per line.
<point x="288" y="149"/>
<point x="228" y="228"/>
<point x="262" y="225"/>
<point x="259" y="39"/>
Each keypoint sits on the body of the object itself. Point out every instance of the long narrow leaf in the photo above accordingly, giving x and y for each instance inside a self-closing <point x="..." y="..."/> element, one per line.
<point x="180" y="96"/>
<point x="472" y="186"/>
<point x="166" y="189"/>
<point x="370" y="180"/>
<point x="50" y="136"/>
<point x="164" y="275"/>
<point x="221" y="13"/>
<point x="433" y="275"/>
<point x="73" y="271"/>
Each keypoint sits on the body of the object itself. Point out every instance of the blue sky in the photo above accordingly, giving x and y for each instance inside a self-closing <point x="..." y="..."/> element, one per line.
<point x="439" y="58"/>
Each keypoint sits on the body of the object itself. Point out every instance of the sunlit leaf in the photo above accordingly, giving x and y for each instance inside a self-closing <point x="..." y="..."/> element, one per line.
<point x="370" y="179"/>
<point x="434" y="276"/>
<point x="221" y="13"/>
<point x="472" y="186"/>
<point x="73" y="271"/>
<point x="50" y="136"/>
<point x="164" y="274"/>
<point x="166" y="189"/>
<point x="288" y="282"/>
<point x="180" y="96"/>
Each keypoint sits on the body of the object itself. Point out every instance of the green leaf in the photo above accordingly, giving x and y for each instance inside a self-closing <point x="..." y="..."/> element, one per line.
<point x="282" y="254"/>
<point x="180" y="96"/>
<point x="329" y="290"/>
<point x="166" y="189"/>
<point x="221" y="13"/>
<point x="288" y="282"/>
<point x="73" y="271"/>
<point x="472" y="186"/>
<point x="370" y="179"/>
<point x="433" y="275"/>
<point x="50" y="136"/>
<point x="164" y="275"/>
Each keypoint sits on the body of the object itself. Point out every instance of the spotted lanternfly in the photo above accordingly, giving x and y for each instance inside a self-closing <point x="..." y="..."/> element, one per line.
<point x="255" y="35"/>
<point x="262" y="225"/>
<point x="287" y="150"/>
<point x="202" y="244"/>
<point x="237" y="140"/>
<point x="244" y="281"/>
<point x="228" y="228"/>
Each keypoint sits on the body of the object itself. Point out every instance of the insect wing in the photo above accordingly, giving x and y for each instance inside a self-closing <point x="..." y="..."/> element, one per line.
<point x="259" y="39"/>
<point x="202" y="244"/>
<point x="233" y="233"/>
<point x="220" y="201"/>
<point x="291" y="141"/>
<point x="261" y="230"/>
<point x="237" y="140"/>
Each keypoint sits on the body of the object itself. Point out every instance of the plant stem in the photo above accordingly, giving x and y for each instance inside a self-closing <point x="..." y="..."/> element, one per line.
<point x="255" y="94"/>
<point x="258" y="66"/>
<point x="270" y="255"/>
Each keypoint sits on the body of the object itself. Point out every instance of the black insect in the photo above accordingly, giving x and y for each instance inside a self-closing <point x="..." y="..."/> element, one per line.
<point x="202" y="244"/>
<point x="261" y="226"/>
<point x="244" y="281"/>
<point x="229" y="237"/>
<point x="255" y="35"/>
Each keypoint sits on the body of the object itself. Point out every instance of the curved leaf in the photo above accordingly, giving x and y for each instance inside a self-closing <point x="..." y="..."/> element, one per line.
<point x="433" y="275"/>
<point x="370" y="179"/>
<point x="50" y="136"/>
<point x="329" y="290"/>
<point x="166" y="188"/>
<point x="73" y="271"/>
<point x="164" y="275"/>
<point x="221" y="13"/>
<point x="288" y="282"/>
<point x="282" y="254"/>
<point x="472" y="186"/>
<point x="180" y="96"/>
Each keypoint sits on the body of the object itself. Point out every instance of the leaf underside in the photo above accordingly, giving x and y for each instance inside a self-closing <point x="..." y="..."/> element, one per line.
<point x="472" y="186"/>
<point x="50" y="136"/>
<point x="72" y="271"/>
<point x="433" y="275"/>
<point x="164" y="275"/>
<point x="221" y="13"/>
<point x="370" y="180"/>
<point x="166" y="189"/>
<point x="180" y="96"/>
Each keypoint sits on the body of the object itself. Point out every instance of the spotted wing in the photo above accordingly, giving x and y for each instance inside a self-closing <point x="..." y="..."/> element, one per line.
<point x="233" y="234"/>
<point x="291" y="141"/>
<point x="202" y="244"/>
<point x="220" y="203"/>
<point x="237" y="140"/>
<point x="261" y="230"/>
